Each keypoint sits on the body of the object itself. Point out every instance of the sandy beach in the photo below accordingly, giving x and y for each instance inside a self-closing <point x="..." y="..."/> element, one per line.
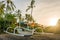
<point x="34" y="37"/>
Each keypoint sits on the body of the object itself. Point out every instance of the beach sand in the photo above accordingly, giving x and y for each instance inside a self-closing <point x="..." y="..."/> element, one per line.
<point x="34" y="37"/>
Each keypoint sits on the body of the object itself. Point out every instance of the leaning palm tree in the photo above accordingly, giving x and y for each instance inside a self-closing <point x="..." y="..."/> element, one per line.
<point x="31" y="7"/>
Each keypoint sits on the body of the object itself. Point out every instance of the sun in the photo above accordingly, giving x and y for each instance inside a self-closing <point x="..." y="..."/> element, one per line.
<point x="53" y="21"/>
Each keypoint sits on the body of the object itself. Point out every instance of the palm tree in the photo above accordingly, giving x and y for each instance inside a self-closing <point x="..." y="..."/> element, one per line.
<point x="8" y="5"/>
<point x="19" y="15"/>
<point x="31" y="7"/>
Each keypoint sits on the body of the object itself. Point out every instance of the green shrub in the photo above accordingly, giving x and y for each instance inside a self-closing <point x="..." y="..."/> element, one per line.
<point x="38" y="30"/>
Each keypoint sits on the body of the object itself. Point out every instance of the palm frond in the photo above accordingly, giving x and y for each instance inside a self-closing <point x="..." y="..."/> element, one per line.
<point x="32" y="2"/>
<point x="3" y="6"/>
<point x="8" y="7"/>
<point x="28" y="8"/>
<point x="12" y="4"/>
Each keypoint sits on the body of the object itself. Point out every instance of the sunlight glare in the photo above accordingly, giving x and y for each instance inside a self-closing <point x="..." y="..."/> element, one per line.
<point x="53" y="21"/>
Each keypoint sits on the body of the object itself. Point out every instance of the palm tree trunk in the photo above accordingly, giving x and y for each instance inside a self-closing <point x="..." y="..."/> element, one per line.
<point x="19" y="21"/>
<point x="31" y="11"/>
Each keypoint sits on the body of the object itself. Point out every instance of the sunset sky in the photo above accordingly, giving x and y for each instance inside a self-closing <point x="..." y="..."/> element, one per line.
<point x="44" y="10"/>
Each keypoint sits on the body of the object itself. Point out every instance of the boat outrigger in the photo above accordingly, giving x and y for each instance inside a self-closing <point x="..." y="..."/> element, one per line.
<point x="21" y="31"/>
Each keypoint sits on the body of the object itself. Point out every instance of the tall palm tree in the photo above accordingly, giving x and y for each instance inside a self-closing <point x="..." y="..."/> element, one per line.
<point x="6" y="7"/>
<point x="31" y="7"/>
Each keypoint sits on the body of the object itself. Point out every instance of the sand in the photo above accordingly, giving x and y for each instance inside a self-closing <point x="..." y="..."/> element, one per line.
<point x="34" y="37"/>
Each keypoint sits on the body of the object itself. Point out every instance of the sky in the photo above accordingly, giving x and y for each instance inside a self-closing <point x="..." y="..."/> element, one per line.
<point x="43" y="11"/>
